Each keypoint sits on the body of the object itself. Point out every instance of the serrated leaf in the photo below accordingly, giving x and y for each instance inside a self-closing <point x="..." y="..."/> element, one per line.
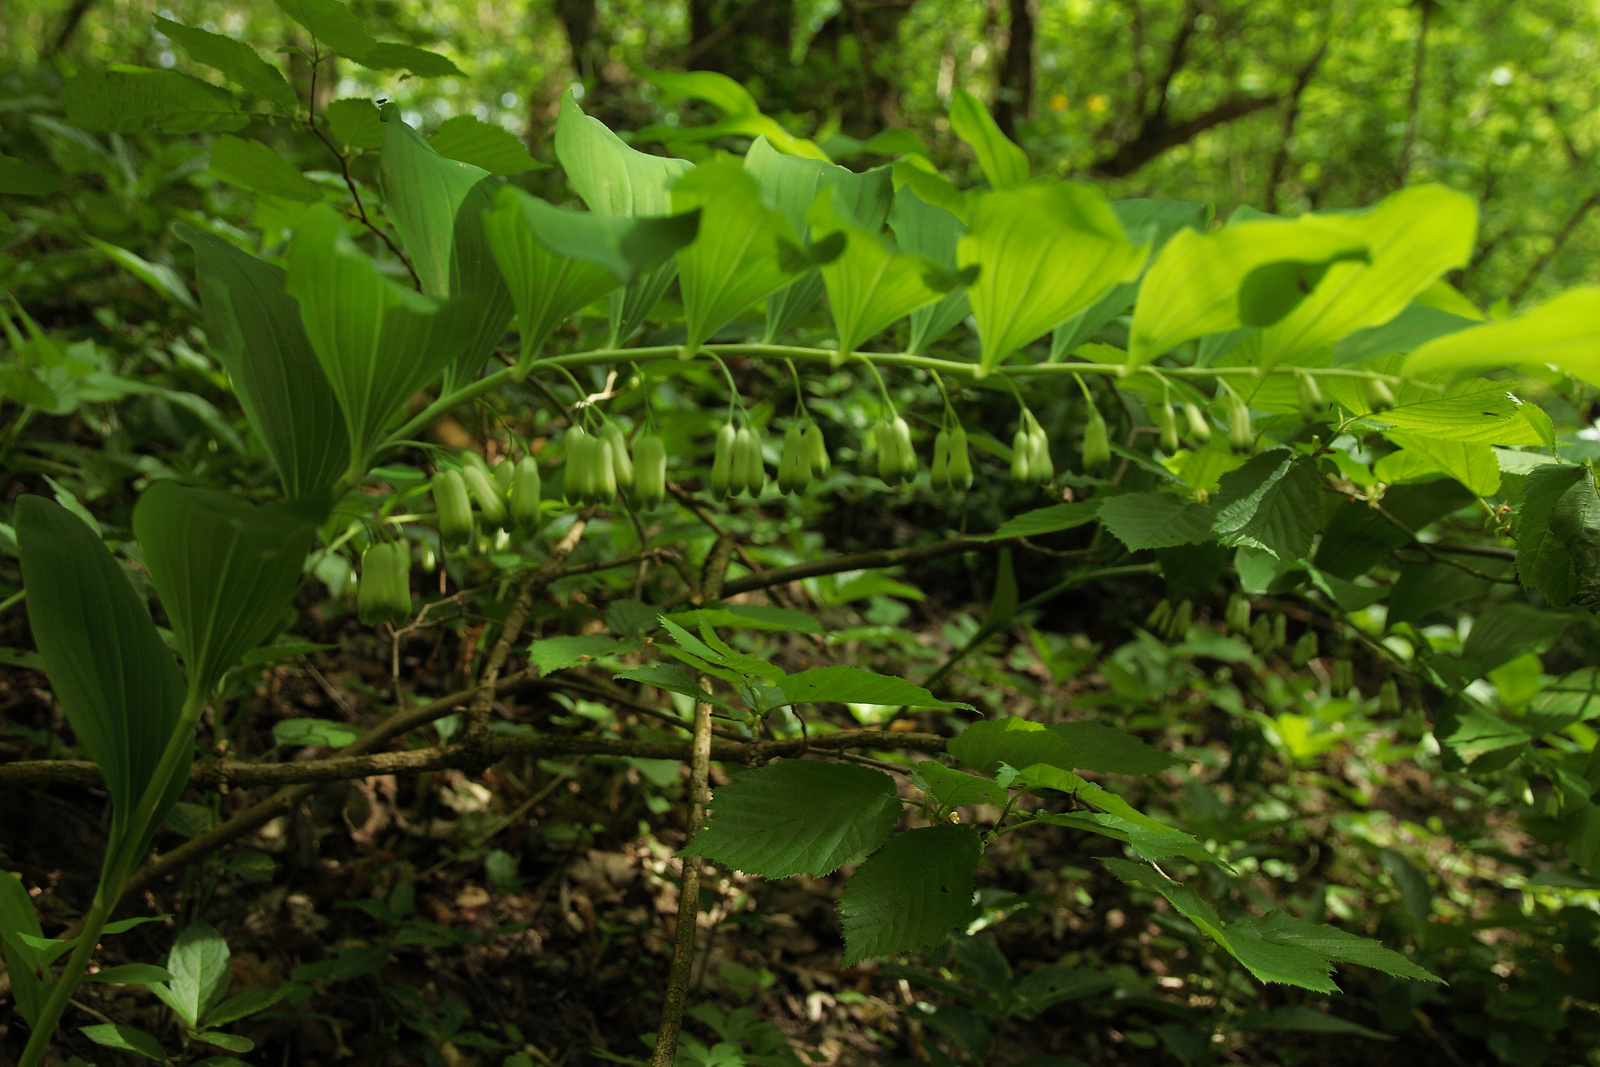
<point x="852" y="685"/>
<point x="1003" y="163"/>
<point x="1148" y="843"/>
<point x="226" y="570"/>
<point x="1043" y="252"/>
<point x="956" y="789"/>
<point x="1471" y="463"/>
<point x="356" y="122"/>
<point x="257" y="167"/>
<point x="1107" y="750"/>
<point x="109" y="669"/>
<point x="1334" y="944"/>
<point x="1187" y="902"/>
<point x="482" y="144"/>
<point x="1197" y="285"/>
<point x="740" y="260"/>
<point x="388" y="55"/>
<point x="559" y="653"/>
<point x="985" y="745"/>
<point x="798" y="816"/>
<point x="910" y="893"/>
<point x="1275" y="961"/>
<point x="239" y="62"/>
<point x="1487" y="415"/>
<point x="1156" y="520"/>
<point x="1544" y="562"/>
<point x="125" y="1039"/>
<point x="127" y="99"/>
<point x="199" y="964"/>
<point x="330" y="22"/>
<point x="1273" y="502"/>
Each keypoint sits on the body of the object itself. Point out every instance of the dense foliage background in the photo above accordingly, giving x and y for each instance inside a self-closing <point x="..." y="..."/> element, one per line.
<point x="524" y="915"/>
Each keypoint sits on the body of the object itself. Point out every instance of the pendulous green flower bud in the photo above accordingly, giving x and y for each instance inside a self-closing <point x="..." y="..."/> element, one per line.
<point x="485" y="492"/>
<point x="384" y="590"/>
<point x="450" y="500"/>
<point x="621" y="465"/>
<point x="722" y="462"/>
<point x="1096" y="443"/>
<point x="526" y="490"/>
<point x="649" y="470"/>
<point x="817" y="451"/>
<point x="939" y="469"/>
<point x="1199" y="425"/>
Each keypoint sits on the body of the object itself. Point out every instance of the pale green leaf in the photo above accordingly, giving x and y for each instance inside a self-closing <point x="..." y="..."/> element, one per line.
<point x="387" y="55"/>
<point x="610" y="177"/>
<point x="1413" y="236"/>
<point x="910" y="893"/>
<point x="356" y="122"/>
<point x="747" y="255"/>
<point x="956" y="789"/>
<point x="295" y="733"/>
<point x="1045" y="520"/>
<point x="930" y="231"/>
<point x="752" y="617"/>
<point x="260" y="169"/>
<point x="798" y="816"/>
<point x="1333" y="943"/>
<point x="1003" y="163"/>
<point x="199" y="964"/>
<point x="1043" y="251"/>
<point x="1564" y="332"/>
<point x="1471" y="463"/>
<point x="145" y="974"/>
<point x="559" y="653"/>
<point x="870" y="285"/>
<point x="1196" y="284"/>
<point x="1107" y="750"/>
<point x="332" y="23"/>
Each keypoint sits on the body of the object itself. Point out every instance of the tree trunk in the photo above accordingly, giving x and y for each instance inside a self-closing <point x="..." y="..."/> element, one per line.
<point x="1013" y="95"/>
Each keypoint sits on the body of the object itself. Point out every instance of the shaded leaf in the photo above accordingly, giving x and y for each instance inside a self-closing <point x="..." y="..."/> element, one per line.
<point x="798" y="816"/>
<point x="257" y="167"/>
<point x="910" y="893"/>
<point x="237" y="60"/>
<point x="1156" y="520"/>
<point x="127" y="99"/>
<point x="852" y="685"/>
<point x="1273" y="502"/>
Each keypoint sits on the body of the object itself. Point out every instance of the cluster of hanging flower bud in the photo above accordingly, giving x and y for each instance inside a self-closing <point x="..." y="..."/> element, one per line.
<point x="506" y="497"/>
<point x="805" y="453"/>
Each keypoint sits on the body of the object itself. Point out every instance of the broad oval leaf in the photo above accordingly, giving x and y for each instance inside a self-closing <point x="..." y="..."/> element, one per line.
<point x="1413" y="237"/>
<point x="1198" y="284"/>
<point x="114" y="678"/>
<point x="199" y="964"/>
<point x="126" y="1039"/>
<point x="235" y="59"/>
<point x="1044" y="251"/>
<point x="253" y="327"/>
<point x="437" y="204"/>
<point x="226" y="570"/>
<point x="257" y="167"/>
<point x="910" y="893"/>
<point x="495" y="149"/>
<point x="852" y="685"/>
<point x="378" y="342"/>
<point x="126" y="99"/>
<point x="749" y="252"/>
<point x="1003" y="163"/>
<point x="559" y="261"/>
<point x="930" y="231"/>
<point x="871" y="286"/>
<point x="798" y="816"/>
<point x="1564" y="331"/>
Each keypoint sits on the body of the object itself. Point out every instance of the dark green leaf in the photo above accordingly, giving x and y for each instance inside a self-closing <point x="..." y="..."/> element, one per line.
<point x="140" y="100"/>
<point x="955" y="789"/>
<point x="1273" y="502"/>
<point x="253" y="327"/>
<point x="239" y="62"/>
<point x="378" y="342"/>
<point x="257" y="167"/>
<point x="1045" y="520"/>
<point x="237" y="1007"/>
<point x="114" y="678"/>
<point x="1155" y="520"/>
<point x="332" y="23"/>
<point x="356" y="122"/>
<point x="481" y="144"/>
<point x="145" y="974"/>
<point x="17" y="916"/>
<point x="125" y="1039"/>
<point x="386" y="55"/>
<point x="798" y="816"/>
<point x="226" y="570"/>
<point x="18" y="178"/>
<point x="1018" y="743"/>
<point x="1358" y="535"/>
<point x="1106" y="750"/>
<point x="852" y="685"/>
<point x="1509" y="630"/>
<point x="752" y="617"/>
<point x="1412" y="328"/>
<point x="910" y="893"/>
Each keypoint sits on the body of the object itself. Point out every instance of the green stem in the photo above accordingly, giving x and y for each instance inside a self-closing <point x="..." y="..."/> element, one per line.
<point x="122" y="856"/>
<point x="13" y="600"/>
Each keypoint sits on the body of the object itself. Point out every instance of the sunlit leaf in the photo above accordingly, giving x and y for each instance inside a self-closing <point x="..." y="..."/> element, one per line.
<point x="870" y="285"/>
<point x="1003" y="163"/>
<point x="236" y="59"/>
